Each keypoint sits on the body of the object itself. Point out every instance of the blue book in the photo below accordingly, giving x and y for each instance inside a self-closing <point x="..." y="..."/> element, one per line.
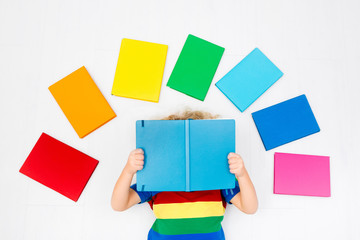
<point x="249" y="79"/>
<point x="185" y="155"/>
<point x="285" y="122"/>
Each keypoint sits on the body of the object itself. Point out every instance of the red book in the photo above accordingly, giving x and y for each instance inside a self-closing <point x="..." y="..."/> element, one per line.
<point x="59" y="166"/>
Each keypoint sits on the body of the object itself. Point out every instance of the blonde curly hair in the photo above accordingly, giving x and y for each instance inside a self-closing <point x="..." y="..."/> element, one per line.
<point x="190" y="114"/>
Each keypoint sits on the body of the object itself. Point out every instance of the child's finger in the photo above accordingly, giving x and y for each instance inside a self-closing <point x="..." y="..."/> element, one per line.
<point x="139" y="168"/>
<point x="237" y="157"/>
<point x="139" y="157"/>
<point x="235" y="170"/>
<point x="233" y="166"/>
<point x="232" y="160"/>
<point x="139" y="150"/>
<point x="134" y="152"/>
<point x="230" y="155"/>
<point x="138" y="162"/>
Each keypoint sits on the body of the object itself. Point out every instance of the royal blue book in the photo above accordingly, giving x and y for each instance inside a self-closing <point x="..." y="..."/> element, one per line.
<point x="285" y="122"/>
<point x="249" y="79"/>
<point x="185" y="155"/>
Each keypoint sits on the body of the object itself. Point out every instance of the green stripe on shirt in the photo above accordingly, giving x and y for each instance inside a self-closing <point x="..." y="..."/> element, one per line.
<point x="187" y="225"/>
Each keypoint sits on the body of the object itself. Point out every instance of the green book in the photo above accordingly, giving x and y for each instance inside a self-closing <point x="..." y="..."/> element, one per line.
<point x="195" y="67"/>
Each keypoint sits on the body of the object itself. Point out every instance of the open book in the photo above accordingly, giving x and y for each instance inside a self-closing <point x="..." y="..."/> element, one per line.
<point x="185" y="155"/>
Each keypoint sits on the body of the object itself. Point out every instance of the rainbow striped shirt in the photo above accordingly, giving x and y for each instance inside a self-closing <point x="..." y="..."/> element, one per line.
<point x="187" y="215"/>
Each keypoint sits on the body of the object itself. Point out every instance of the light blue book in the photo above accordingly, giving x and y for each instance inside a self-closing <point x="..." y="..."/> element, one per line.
<point x="249" y="79"/>
<point x="185" y="155"/>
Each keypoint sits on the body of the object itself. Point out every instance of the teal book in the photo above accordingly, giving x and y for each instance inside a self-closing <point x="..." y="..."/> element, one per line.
<point x="185" y="155"/>
<point x="249" y="79"/>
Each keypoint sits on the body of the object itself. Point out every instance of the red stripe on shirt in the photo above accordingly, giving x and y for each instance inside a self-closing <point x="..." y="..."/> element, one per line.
<point x="181" y="197"/>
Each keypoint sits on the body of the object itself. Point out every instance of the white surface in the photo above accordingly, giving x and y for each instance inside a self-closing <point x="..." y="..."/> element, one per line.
<point x="316" y="43"/>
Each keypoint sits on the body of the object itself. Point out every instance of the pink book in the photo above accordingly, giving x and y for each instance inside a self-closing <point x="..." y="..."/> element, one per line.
<point x="297" y="174"/>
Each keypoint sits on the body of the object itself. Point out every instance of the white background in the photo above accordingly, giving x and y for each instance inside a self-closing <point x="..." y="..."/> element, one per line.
<point x="316" y="43"/>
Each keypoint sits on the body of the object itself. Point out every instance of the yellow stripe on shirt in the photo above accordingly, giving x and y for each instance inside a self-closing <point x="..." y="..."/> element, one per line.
<point x="188" y="210"/>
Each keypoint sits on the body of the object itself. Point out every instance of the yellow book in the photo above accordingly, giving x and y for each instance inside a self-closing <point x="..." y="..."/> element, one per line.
<point x="139" y="70"/>
<point x="82" y="102"/>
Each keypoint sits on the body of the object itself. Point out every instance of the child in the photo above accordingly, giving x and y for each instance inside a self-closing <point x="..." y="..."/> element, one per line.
<point x="186" y="215"/>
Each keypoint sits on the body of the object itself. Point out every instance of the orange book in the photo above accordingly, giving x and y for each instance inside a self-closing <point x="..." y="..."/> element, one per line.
<point x="82" y="102"/>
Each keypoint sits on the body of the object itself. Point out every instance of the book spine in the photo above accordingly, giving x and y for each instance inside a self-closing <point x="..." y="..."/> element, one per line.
<point x="187" y="154"/>
<point x="142" y="187"/>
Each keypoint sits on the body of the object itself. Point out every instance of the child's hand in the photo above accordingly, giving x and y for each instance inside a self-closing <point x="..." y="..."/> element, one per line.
<point x="236" y="165"/>
<point x="135" y="161"/>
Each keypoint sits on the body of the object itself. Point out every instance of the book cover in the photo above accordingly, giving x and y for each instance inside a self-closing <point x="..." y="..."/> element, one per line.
<point x="249" y="79"/>
<point x="139" y="70"/>
<point x="285" y="122"/>
<point x="185" y="155"/>
<point x="59" y="166"/>
<point x="299" y="174"/>
<point x="195" y="67"/>
<point x="82" y="102"/>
